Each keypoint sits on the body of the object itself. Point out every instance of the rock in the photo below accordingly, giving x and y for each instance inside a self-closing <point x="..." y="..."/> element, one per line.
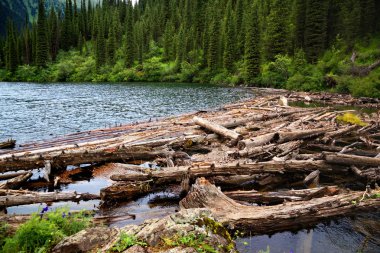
<point x="283" y="101"/>
<point x="308" y="99"/>
<point x="180" y="250"/>
<point x="86" y="240"/>
<point x="135" y="249"/>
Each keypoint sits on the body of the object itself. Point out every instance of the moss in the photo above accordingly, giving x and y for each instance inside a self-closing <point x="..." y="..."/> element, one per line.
<point x="349" y="118"/>
<point x="218" y="229"/>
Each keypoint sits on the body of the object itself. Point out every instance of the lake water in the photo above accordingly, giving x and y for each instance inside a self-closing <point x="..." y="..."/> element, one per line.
<point x="30" y="112"/>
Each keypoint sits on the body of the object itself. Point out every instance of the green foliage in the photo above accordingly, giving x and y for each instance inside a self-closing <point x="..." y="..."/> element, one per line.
<point x="275" y="74"/>
<point x="265" y="251"/>
<point x="125" y="241"/>
<point x="196" y="241"/>
<point x="44" y="230"/>
<point x="350" y="119"/>
<point x="4" y="228"/>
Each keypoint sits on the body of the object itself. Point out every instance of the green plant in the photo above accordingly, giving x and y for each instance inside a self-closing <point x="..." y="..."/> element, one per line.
<point x="265" y="251"/>
<point x="196" y="241"/>
<point x="350" y="119"/>
<point x="125" y="241"/>
<point x="44" y="230"/>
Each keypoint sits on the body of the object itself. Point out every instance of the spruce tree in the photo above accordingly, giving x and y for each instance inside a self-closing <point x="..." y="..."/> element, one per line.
<point x="100" y="46"/>
<point x="54" y="34"/>
<point x="277" y="29"/>
<point x="229" y="47"/>
<point x="315" y="28"/>
<point x="42" y="50"/>
<point x="129" y="48"/>
<point x="213" y="44"/>
<point x="252" y="46"/>
<point x="300" y="18"/>
<point x="11" y="60"/>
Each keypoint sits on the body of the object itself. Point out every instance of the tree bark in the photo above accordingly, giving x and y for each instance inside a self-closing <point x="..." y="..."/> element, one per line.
<point x="217" y="129"/>
<point x="349" y="160"/>
<point x="11" y="199"/>
<point x="268" y="219"/>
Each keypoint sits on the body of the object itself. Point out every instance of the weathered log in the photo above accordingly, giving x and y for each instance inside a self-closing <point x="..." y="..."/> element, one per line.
<point x="300" y="135"/>
<point x="171" y="175"/>
<point x="312" y="180"/>
<point x="14" y="182"/>
<point x="372" y="174"/>
<point x="63" y="159"/>
<point x="217" y="129"/>
<point x="268" y="219"/>
<point x="11" y="175"/>
<point x="270" y="198"/>
<point x="126" y="191"/>
<point x="271" y="150"/>
<point x="354" y="151"/>
<point x="28" y="197"/>
<point x="344" y="159"/>
<point x="338" y="133"/>
<point x="258" y="141"/>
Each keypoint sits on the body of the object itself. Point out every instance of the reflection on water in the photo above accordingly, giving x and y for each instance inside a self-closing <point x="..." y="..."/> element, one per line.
<point x="345" y="235"/>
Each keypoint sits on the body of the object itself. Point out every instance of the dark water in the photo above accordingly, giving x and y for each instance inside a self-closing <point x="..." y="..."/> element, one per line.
<point x="31" y="111"/>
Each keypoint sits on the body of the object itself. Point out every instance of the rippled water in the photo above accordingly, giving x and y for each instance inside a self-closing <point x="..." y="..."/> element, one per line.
<point x="30" y="111"/>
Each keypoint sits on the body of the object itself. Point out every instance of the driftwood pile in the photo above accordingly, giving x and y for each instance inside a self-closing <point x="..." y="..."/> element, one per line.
<point x="258" y="164"/>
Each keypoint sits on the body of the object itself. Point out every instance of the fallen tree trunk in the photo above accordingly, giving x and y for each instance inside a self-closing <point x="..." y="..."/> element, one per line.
<point x="63" y="159"/>
<point x="12" y="175"/>
<point x="15" y="198"/>
<point x="171" y="175"/>
<point x="126" y="191"/>
<point x="270" y="198"/>
<point x="349" y="160"/>
<point x="217" y="129"/>
<point x="268" y="219"/>
<point x="14" y="182"/>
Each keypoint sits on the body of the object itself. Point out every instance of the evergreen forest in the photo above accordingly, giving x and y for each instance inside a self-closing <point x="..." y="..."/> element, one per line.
<point x="310" y="45"/>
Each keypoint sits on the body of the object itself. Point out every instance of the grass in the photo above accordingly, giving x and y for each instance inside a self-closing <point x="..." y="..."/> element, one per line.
<point x="196" y="241"/>
<point x="126" y="241"/>
<point x="44" y="230"/>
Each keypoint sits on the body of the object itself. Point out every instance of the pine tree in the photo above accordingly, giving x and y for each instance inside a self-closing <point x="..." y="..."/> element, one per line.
<point x="229" y="47"/>
<point x="100" y="46"/>
<point x="42" y="50"/>
<point x="54" y="34"/>
<point x="300" y="18"/>
<point x="111" y="46"/>
<point x="277" y="30"/>
<point x="214" y="46"/>
<point x="315" y="28"/>
<point x="367" y="17"/>
<point x="11" y="60"/>
<point x="129" y="48"/>
<point x="252" y="46"/>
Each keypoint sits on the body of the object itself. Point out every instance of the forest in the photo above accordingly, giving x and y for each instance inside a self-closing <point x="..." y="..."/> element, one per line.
<point x="309" y="45"/>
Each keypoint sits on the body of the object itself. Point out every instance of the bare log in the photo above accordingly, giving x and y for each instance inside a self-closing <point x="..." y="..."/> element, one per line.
<point x="258" y="141"/>
<point x="300" y="135"/>
<point x="126" y="191"/>
<point x="349" y="160"/>
<point x="28" y="197"/>
<point x="217" y="129"/>
<point x="268" y="219"/>
<point x="11" y="175"/>
<point x="14" y="182"/>
<point x="282" y="196"/>
<point x="171" y="175"/>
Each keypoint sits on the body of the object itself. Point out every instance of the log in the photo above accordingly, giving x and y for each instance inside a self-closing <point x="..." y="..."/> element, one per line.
<point x="354" y="151"/>
<point x="126" y="191"/>
<point x="269" y="219"/>
<point x="14" y="182"/>
<point x="172" y="175"/>
<point x="301" y="134"/>
<point x="12" y="175"/>
<point x="258" y="141"/>
<point x="344" y="159"/>
<point x="271" y="198"/>
<point x="62" y="159"/>
<point x="29" y="197"/>
<point x="217" y="129"/>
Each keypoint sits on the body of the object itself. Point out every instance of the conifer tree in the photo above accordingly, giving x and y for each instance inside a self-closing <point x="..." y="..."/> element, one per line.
<point x="54" y="34"/>
<point x="229" y="47"/>
<point x="315" y="28"/>
<point x="11" y="60"/>
<point x="214" y="46"/>
<point x="42" y="51"/>
<point x="277" y="29"/>
<point x="300" y="18"/>
<point x="129" y="48"/>
<point x="252" y="46"/>
<point x="100" y="46"/>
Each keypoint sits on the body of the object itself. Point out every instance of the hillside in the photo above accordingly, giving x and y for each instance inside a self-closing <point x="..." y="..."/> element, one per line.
<point x="293" y="44"/>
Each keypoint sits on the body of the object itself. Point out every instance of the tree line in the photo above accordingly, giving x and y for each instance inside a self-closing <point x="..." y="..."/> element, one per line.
<point x="217" y="35"/>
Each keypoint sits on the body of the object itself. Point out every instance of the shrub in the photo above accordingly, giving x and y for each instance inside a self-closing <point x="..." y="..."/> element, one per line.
<point x="350" y="119"/>
<point x="275" y="74"/>
<point x="125" y="241"/>
<point x="44" y="230"/>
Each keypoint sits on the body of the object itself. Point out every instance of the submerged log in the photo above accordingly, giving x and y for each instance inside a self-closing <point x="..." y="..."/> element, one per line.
<point x="7" y="144"/>
<point x="27" y="197"/>
<point x="126" y="191"/>
<point x="217" y="129"/>
<point x="268" y="219"/>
